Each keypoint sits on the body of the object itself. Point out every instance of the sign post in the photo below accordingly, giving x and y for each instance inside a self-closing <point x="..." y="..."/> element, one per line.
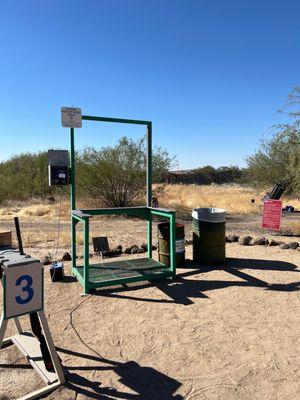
<point x="23" y="290"/>
<point x="23" y="294"/>
<point x="272" y="212"/>
<point x="71" y="117"/>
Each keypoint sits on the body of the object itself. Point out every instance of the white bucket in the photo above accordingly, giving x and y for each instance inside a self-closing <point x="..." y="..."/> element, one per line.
<point x="214" y="215"/>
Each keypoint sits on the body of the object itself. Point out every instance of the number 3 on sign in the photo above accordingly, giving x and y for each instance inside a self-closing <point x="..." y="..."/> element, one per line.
<point x="23" y="290"/>
<point x="27" y="289"/>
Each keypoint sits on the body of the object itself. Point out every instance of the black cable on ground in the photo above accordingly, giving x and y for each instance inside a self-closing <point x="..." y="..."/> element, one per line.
<point x="78" y="335"/>
<point x="75" y="330"/>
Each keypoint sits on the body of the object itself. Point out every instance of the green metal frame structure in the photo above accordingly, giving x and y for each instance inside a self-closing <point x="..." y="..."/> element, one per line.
<point x="92" y="276"/>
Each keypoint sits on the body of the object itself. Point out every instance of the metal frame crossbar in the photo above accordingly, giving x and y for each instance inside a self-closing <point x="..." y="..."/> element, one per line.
<point x="119" y="272"/>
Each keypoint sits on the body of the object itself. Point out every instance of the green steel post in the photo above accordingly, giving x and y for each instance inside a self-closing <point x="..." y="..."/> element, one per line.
<point x="73" y="241"/>
<point x="116" y="120"/>
<point x="149" y="187"/>
<point x="86" y="266"/>
<point x="72" y="196"/>
<point x="173" y="244"/>
<point x="72" y="170"/>
<point x="149" y="164"/>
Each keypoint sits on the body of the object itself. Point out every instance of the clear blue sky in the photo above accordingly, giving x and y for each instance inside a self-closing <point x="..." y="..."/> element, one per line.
<point x="209" y="74"/>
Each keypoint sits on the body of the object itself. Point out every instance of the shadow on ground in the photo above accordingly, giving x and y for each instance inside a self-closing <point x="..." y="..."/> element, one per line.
<point x="146" y="382"/>
<point x="182" y="290"/>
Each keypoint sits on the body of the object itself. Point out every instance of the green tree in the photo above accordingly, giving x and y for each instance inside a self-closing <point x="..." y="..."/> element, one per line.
<point x="278" y="159"/>
<point x="115" y="176"/>
<point x="24" y="176"/>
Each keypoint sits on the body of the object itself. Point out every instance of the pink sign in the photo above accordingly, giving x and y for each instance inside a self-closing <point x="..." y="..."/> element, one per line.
<point x="272" y="214"/>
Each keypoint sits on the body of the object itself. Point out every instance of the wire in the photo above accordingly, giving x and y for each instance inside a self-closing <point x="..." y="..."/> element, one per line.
<point x="58" y="224"/>
<point x="54" y="242"/>
<point x="77" y="333"/>
<point x="56" y="245"/>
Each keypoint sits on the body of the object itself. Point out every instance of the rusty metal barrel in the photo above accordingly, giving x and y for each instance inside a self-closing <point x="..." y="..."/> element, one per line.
<point x="163" y="235"/>
<point x="209" y="235"/>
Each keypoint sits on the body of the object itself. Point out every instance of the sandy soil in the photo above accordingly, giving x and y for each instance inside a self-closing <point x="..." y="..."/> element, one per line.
<point x="224" y="333"/>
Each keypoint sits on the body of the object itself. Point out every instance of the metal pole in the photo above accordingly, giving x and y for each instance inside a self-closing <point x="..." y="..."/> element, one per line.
<point x="86" y="255"/>
<point x="72" y="170"/>
<point x="19" y="237"/>
<point x="149" y="165"/>
<point x="72" y="196"/>
<point x="149" y="187"/>
<point x="18" y="325"/>
<point x="173" y="244"/>
<point x="54" y="357"/>
<point x="3" y="325"/>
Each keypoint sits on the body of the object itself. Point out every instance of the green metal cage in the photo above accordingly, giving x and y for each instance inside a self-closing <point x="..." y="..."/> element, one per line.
<point x="92" y="276"/>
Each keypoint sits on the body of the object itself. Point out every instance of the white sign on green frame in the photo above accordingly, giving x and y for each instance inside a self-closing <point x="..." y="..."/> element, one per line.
<point x="23" y="290"/>
<point x="71" y="117"/>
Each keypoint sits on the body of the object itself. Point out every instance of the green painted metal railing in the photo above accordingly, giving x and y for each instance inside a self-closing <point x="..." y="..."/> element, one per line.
<point x="146" y="212"/>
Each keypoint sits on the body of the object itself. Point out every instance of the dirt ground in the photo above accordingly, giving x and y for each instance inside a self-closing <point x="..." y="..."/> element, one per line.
<point x="224" y="333"/>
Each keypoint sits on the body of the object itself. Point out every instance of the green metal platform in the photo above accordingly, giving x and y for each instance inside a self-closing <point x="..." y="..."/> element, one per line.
<point x="124" y="271"/>
<point x="114" y="273"/>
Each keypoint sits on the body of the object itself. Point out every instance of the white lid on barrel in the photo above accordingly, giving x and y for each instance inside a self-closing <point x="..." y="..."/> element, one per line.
<point x="209" y="214"/>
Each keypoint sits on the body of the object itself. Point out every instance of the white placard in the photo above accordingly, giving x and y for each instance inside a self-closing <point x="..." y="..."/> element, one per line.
<point x="23" y="290"/>
<point x="71" y="117"/>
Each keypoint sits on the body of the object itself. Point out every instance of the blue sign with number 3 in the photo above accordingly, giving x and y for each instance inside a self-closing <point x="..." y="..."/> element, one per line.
<point x="23" y="290"/>
<point x="27" y="289"/>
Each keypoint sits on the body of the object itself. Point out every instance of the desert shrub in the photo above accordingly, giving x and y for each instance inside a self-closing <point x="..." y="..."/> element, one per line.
<point x="278" y="158"/>
<point x="225" y="174"/>
<point x="24" y="176"/>
<point x="207" y="175"/>
<point x="116" y="176"/>
<point x="111" y="176"/>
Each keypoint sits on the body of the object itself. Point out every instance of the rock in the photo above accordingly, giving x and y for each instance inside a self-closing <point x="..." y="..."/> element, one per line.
<point x="284" y="246"/>
<point x="188" y="242"/>
<point x="273" y="242"/>
<point x="105" y="254"/>
<point x="110" y="253"/>
<point x="233" y="238"/>
<point x="46" y="260"/>
<point x="245" y="240"/>
<point x="261" y="241"/>
<point x="51" y="200"/>
<point x="294" y="245"/>
<point x="66" y="257"/>
<point x="117" y="250"/>
<point x="134" y="249"/>
<point x="144" y="246"/>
